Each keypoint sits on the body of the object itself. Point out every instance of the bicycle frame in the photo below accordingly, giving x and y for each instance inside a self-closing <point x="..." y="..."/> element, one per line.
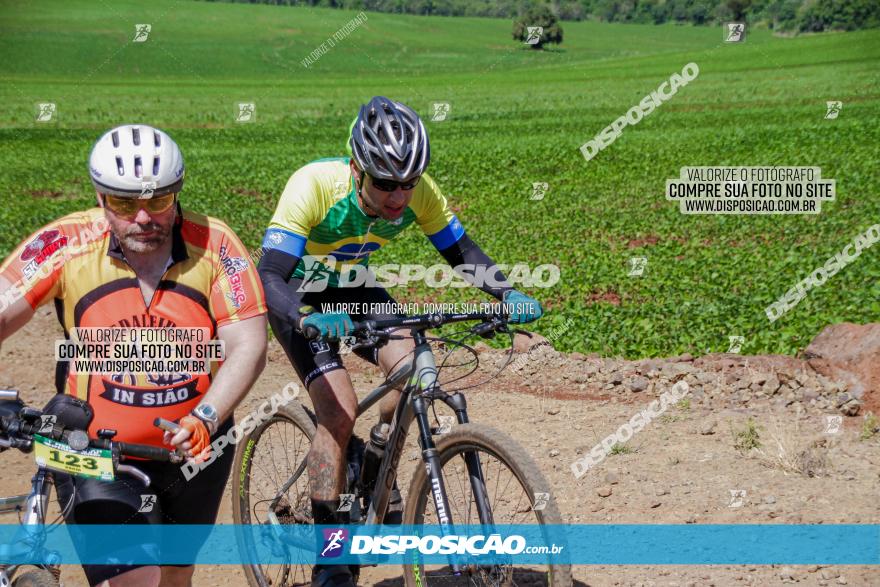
<point x="419" y="391"/>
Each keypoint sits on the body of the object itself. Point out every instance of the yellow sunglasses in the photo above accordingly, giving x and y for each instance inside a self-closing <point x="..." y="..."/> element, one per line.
<point x="129" y="207"/>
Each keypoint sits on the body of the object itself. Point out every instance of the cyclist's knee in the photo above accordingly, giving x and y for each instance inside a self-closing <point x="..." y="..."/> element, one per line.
<point x="393" y="355"/>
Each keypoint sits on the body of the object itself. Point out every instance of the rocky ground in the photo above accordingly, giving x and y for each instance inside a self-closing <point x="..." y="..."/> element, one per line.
<point x="755" y="440"/>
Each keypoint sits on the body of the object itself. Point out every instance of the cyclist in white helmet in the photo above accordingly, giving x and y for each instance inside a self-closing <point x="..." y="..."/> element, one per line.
<point x="140" y="261"/>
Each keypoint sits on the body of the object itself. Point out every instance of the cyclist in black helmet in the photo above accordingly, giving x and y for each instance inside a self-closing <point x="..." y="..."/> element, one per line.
<point x="334" y="213"/>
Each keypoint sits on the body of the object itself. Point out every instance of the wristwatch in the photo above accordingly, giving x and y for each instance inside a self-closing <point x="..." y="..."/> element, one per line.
<point x="207" y="414"/>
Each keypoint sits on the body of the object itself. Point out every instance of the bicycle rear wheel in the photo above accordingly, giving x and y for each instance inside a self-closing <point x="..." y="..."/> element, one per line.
<point x="264" y="461"/>
<point x="512" y="481"/>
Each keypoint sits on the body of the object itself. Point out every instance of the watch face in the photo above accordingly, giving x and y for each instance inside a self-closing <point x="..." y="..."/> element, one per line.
<point x="207" y="412"/>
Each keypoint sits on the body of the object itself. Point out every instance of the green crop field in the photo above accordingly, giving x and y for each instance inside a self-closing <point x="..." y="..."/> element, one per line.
<point x="517" y="116"/>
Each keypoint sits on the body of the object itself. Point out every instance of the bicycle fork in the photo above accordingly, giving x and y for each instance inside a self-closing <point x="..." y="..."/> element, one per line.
<point x="414" y="406"/>
<point x="426" y="368"/>
<point x="34" y="507"/>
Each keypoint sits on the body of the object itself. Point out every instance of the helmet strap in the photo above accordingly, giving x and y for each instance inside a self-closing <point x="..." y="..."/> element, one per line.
<point x="363" y="200"/>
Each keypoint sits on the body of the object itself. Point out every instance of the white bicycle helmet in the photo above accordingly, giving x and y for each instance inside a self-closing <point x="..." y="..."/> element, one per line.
<point x="136" y="160"/>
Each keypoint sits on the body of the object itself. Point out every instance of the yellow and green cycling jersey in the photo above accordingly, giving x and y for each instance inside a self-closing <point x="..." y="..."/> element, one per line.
<point x="318" y="215"/>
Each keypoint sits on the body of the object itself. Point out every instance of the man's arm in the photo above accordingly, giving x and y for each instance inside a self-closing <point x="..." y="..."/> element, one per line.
<point x="275" y="269"/>
<point x="466" y="252"/>
<point x="245" y="343"/>
<point x="519" y="307"/>
<point x="245" y="346"/>
<point x="12" y="316"/>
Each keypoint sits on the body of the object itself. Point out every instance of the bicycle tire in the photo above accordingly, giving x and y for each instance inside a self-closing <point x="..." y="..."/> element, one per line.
<point x="244" y="459"/>
<point x="518" y="462"/>
<point x="35" y="578"/>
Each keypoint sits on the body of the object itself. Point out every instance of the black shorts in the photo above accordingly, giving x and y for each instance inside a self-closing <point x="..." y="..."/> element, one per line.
<point x="312" y="358"/>
<point x="176" y="501"/>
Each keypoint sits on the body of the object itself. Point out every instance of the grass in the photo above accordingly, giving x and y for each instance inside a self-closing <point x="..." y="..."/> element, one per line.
<point x="790" y="452"/>
<point x="746" y="438"/>
<point x="621" y="449"/>
<point x="870" y="426"/>
<point x="517" y="116"/>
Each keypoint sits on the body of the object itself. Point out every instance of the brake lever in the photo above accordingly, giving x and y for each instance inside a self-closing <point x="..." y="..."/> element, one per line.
<point x="485" y="329"/>
<point x="372" y="339"/>
<point x="359" y="345"/>
<point x="134" y="472"/>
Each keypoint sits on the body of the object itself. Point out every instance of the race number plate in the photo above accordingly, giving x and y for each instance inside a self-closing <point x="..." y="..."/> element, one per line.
<point x="95" y="463"/>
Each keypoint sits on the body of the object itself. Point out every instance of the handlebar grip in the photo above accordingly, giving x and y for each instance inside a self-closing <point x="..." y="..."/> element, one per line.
<point x="311" y="333"/>
<point x="8" y="395"/>
<point x="154" y="453"/>
<point x="166" y="425"/>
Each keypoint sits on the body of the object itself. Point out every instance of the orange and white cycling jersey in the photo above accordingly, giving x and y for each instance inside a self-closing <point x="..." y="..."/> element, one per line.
<point x="79" y="264"/>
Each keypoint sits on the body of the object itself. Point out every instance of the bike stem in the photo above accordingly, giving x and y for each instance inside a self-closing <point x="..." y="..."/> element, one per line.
<point x="38" y="501"/>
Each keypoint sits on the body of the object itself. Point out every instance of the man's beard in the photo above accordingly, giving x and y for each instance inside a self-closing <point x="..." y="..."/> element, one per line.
<point x="139" y="245"/>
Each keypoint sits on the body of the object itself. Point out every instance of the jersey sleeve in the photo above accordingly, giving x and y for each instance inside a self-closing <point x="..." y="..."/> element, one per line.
<point x="297" y="212"/>
<point x="434" y="216"/>
<point x="236" y="292"/>
<point x="34" y="267"/>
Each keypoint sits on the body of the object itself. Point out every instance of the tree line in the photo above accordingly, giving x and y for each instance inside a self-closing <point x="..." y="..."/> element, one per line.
<point x="781" y="15"/>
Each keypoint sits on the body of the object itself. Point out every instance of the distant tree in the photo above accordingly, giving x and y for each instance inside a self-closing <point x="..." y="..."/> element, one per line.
<point x="840" y="15"/>
<point x="538" y="16"/>
<point x="700" y="11"/>
<point x="738" y="8"/>
<point x="780" y="15"/>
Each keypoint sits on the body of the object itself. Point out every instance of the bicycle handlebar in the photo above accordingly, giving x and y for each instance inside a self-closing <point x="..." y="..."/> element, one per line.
<point x="491" y="322"/>
<point x="20" y="433"/>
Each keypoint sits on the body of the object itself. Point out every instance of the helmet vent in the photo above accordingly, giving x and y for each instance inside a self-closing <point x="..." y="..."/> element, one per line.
<point x="156" y="163"/>
<point x="115" y="137"/>
<point x="119" y="166"/>
<point x="156" y="140"/>
<point x="136" y="136"/>
<point x="138" y="168"/>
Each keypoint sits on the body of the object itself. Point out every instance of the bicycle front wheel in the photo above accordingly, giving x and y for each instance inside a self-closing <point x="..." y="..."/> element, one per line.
<point x="512" y="484"/>
<point x="265" y="461"/>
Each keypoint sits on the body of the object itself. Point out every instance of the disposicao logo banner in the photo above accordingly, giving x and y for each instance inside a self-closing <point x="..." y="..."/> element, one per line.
<point x="613" y="544"/>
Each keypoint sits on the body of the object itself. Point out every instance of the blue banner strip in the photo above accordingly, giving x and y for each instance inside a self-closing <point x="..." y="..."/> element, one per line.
<point x="616" y="544"/>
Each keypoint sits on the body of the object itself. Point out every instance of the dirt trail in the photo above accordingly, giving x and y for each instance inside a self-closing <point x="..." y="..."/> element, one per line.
<point x="681" y="468"/>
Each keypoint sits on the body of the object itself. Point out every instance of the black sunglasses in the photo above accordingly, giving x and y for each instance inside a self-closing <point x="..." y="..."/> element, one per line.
<point x="385" y="185"/>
